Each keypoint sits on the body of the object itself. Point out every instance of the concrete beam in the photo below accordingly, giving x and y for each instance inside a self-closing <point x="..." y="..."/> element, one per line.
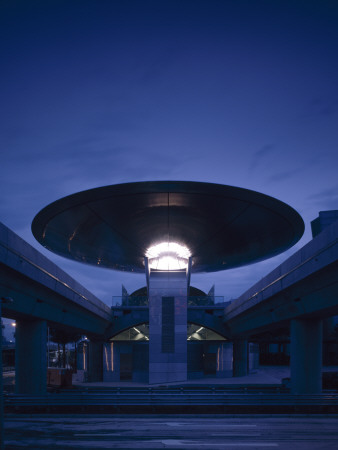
<point x="41" y="290"/>
<point x="32" y="300"/>
<point x="127" y="317"/>
<point x="305" y="285"/>
<point x="199" y="316"/>
<point x="124" y="318"/>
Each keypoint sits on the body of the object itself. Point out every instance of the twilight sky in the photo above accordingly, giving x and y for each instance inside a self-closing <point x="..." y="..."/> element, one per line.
<point x="234" y="92"/>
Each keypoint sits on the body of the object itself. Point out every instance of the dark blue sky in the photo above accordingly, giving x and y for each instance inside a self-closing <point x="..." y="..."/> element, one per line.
<point x="237" y="92"/>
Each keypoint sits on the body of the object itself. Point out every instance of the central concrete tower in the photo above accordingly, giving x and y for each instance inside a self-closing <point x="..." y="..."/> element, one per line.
<point x="167" y="326"/>
<point x="168" y="266"/>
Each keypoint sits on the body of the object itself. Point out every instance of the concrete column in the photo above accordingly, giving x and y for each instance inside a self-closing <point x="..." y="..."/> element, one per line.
<point x="224" y="355"/>
<point x="328" y="327"/>
<point x="1" y="387"/>
<point x="167" y="326"/>
<point x="31" y="357"/>
<point x="81" y="359"/>
<point x="240" y="357"/>
<point x="95" y="361"/>
<point x="253" y="356"/>
<point x="306" y="356"/>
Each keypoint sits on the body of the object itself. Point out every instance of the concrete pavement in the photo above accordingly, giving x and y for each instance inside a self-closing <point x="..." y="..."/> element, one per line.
<point x="179" y="432"/>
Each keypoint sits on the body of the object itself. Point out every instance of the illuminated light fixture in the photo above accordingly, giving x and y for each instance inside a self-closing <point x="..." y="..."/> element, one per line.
<point x="140" y="332"/>
<point x="168" y="256"/>
<point x="112" y="356"/>
<point x="106" y="357"/>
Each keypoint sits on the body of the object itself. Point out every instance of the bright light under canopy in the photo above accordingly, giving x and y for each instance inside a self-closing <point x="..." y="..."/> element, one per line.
<point x="168" y="256"/>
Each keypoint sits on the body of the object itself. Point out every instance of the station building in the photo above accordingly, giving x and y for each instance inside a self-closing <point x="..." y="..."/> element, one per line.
<point x="207" y="349"/>
<point x="169" y="331"/>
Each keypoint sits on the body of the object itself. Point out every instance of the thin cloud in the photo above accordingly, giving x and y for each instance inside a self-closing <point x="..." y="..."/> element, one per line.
<point x="327" y="198"/>
<point x="320" y="107"/>
<point x="260" y="155"/>
<point x="284" y="176"/>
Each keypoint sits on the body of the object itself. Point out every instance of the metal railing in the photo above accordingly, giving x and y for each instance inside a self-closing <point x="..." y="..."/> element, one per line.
<point x="217" y="399"/>
<point x="194" y="300"/>
<point x="143" y="300"/>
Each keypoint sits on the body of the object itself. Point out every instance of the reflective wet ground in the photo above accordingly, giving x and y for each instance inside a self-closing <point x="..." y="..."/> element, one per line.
<point x="176" y="432"/>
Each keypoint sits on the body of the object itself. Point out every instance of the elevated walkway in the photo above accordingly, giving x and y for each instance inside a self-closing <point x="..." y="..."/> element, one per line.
<point x="40" y="290"/>
<point x="304" y="286"/>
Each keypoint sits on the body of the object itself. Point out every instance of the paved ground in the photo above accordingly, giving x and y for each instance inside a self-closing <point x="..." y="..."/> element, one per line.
<point x="177" y="432"/>
<point x="180" y="432"/>
<point x="263" y="375"/>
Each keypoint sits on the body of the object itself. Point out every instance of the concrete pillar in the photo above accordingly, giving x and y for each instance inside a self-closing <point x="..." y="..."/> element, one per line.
<point x="240" y="357"/>
<point x="31" y="357"/>
<point x="1" y="387"/>
<point x="81" y="357"/>
<point x="224" y="360"/>
<point x="95" y="361"/>
<point x="141" y="362"/>
<point x="306" y="356"/>
<point x="168" y="326"/>
<point x="328" y="327"/>
<point x="253" y="356"/>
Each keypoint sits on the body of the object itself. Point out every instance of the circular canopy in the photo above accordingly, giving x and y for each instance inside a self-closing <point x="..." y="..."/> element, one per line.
<point x="222" y="226"/>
